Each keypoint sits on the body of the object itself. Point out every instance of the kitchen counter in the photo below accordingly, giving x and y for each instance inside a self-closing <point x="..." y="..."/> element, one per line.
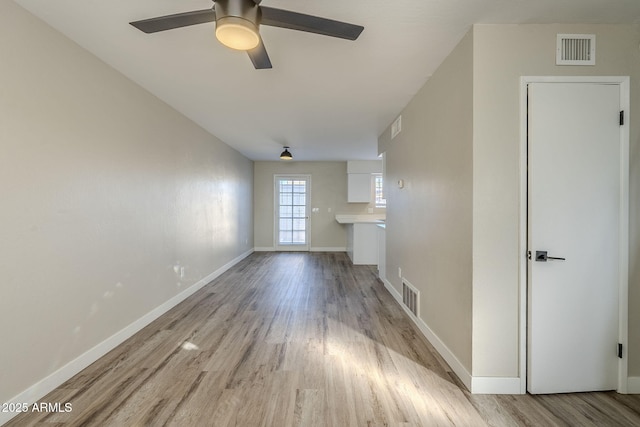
<point x="362" y="238"/>
<point x="361" y="219"/>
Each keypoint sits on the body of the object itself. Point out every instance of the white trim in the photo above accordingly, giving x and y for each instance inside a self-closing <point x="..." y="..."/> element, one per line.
<point x="496" y="385"/>
<point x="633" y="385"/>
<point x="623" y="322"/>
<point x="623" y="295"/>
<point x="314" y="249"/>
<point x="477" y="385"/>
<point x="437" y="343"/>
<point x="393" y="291"/>
<point x="523" y="236"/>
<point x="54" y="380"/>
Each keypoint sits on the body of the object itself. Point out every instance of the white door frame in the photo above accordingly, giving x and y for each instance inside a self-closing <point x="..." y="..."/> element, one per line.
<point x="276" y="209"/>
<point x="623" y="322"/>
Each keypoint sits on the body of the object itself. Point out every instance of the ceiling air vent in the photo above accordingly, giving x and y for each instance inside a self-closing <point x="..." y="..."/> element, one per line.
<point x="576" y="49"/>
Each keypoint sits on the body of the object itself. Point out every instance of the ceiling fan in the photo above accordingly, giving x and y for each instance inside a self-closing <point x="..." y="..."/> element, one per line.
<point x="238" y="21"/>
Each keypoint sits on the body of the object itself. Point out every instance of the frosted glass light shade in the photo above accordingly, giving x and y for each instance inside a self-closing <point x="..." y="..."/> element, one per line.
<point x="237" y="33"/>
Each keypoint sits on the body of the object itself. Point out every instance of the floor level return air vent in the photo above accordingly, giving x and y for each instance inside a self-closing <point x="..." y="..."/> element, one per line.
<point x="576" y="49"/>
<point x="411" y="298"/>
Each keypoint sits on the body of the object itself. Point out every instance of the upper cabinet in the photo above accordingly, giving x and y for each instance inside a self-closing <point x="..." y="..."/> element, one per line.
<point x="359" y="180"/>
<point x="359" y="188"/>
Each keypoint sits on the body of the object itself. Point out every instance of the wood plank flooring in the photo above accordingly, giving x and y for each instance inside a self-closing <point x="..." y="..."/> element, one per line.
<point x="298" y="339"/>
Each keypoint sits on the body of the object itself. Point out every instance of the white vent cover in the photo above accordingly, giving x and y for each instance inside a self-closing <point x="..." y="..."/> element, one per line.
<point x="396" y="127"/>
<point x="411" y="298"/>
<point x="576" y="49"/>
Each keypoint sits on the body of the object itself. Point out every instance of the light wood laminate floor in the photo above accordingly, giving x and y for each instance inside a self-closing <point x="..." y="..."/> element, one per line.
<point x="298" y="339"/>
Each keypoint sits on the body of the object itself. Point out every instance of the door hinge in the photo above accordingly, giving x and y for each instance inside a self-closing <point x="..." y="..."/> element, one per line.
<point x="622" y="118"/>
<point x="619" y="351"/>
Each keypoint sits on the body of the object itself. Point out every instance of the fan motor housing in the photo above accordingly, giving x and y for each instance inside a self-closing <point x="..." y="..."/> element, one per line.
<point x="242" y="9"/>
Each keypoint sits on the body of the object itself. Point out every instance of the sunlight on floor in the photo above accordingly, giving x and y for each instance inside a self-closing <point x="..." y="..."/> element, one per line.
<point x="403" y="377"/>
<point x="189" y="346"/>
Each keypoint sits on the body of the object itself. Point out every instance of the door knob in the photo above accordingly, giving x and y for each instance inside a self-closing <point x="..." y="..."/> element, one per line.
<point x="541" y="256"/>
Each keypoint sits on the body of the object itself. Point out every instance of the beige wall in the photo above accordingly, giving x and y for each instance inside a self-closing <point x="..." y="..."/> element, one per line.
<point x="429" y="222"/>
<point x="502" y="54"/>
<point x="328" y="191"/>
<point x="104" y="190"/>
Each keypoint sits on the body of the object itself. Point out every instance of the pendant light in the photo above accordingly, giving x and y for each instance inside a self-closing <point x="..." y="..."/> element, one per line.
<point x="286" y="155"/>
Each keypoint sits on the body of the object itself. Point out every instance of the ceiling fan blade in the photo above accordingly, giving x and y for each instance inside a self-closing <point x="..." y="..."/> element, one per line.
<point x="169" y="22"/>
<point x="311" y="24"/>
<point x="259" y="56"/>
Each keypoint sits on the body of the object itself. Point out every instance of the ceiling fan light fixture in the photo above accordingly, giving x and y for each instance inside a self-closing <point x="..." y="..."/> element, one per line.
<point x="237" y="33"/>
<point x="286" y="155"/>
<point x="238" y="23"/>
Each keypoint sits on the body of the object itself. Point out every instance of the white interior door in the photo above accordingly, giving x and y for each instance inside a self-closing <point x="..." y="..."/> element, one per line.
<point x="292" y="212"/>
<point x="574" y="204"/>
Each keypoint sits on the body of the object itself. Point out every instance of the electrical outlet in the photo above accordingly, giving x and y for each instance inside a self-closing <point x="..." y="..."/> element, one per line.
<point x="400" y="272"/>
<point x="182" y="272"/>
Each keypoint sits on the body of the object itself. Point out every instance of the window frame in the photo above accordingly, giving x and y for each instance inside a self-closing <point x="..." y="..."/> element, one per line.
<point x="380" y="202"/>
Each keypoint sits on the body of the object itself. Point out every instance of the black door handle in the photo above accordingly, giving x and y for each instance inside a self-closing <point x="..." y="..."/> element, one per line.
<point x="541" y="256"/>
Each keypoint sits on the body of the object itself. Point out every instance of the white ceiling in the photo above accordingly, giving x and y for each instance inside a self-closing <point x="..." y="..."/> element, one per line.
<point x="327" y="98"/>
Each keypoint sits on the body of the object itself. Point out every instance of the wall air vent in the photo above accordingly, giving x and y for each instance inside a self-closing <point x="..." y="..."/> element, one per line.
<point x="411" y="298"/>
<point x="576" y="49"/>
<point x="396" y="127"/>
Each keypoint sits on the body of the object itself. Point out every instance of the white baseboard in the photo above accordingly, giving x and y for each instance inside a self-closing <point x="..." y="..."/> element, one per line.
<point x="314" y="249"/>
<point x="440" y="346"/>
<point x="633" y="385"/>
<point x="496" y="385"/>
<point x="396" y="295"/>
<point x="476" y="385"/>
<point x="51" y="382"/>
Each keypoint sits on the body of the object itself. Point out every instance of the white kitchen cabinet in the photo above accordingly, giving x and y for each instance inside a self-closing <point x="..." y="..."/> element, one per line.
<point x="362" y="237"/>
<point x="359" y="188"/>
<point x="362" y="243"/>
<point x="359" y="175"/>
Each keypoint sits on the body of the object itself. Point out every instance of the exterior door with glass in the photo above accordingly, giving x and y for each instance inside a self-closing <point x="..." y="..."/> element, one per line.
<point x="292" y="200"/>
